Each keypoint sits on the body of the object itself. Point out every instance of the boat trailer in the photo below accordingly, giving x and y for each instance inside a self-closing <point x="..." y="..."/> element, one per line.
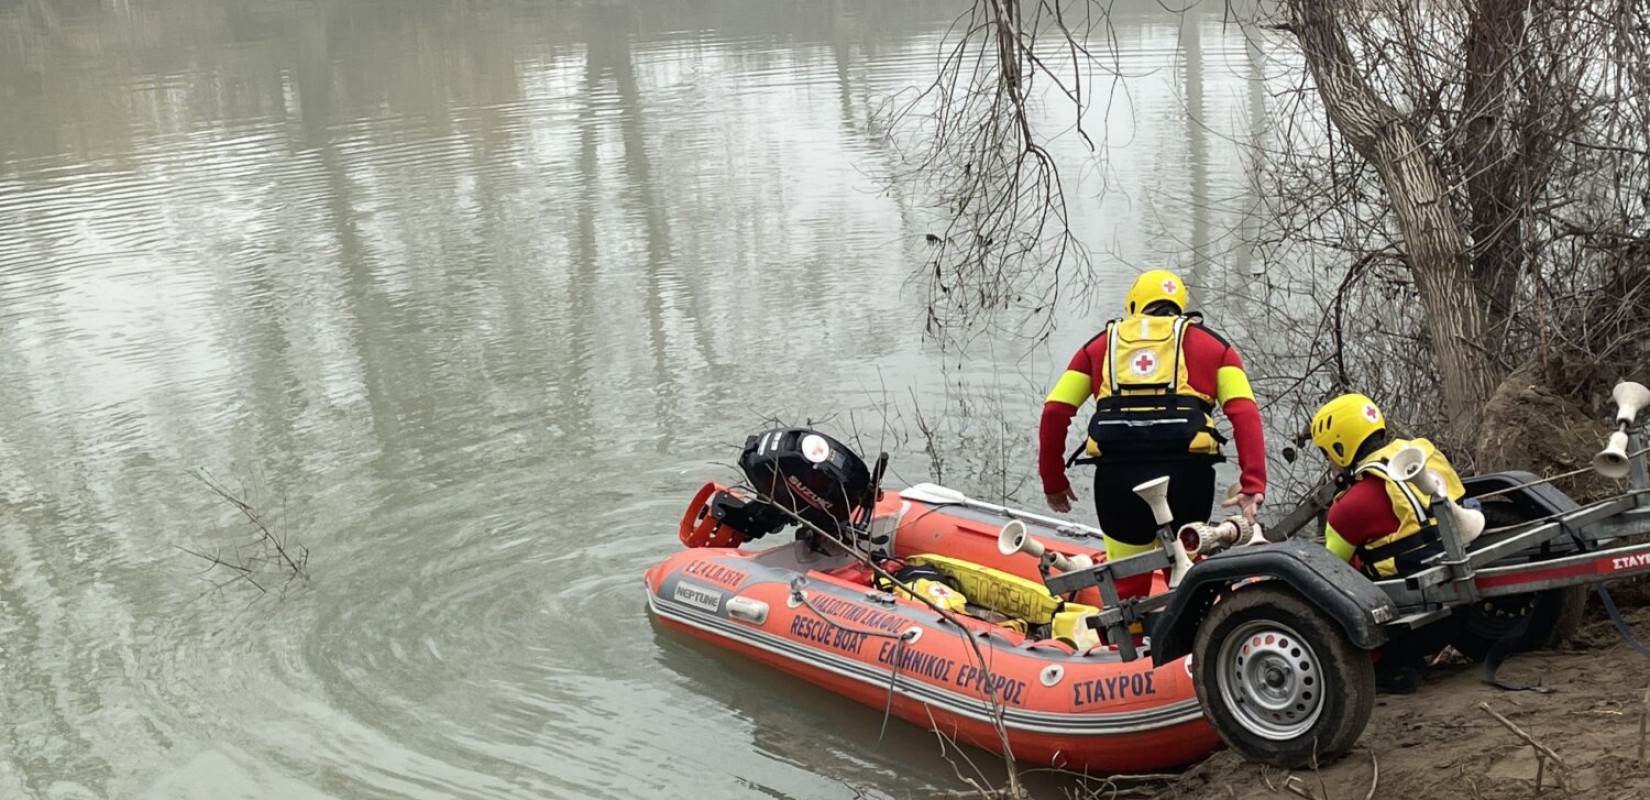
<point x="1279" y="633"/>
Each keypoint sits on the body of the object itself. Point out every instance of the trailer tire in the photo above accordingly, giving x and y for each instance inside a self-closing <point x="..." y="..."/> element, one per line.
<point x="1279" y="679"/>
<point x="1555" y="614"/>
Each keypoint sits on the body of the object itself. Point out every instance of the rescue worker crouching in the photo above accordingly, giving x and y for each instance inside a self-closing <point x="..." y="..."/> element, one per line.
<point x="1156" y="376"/>
<point x="1381" y="525"/>
<point x="1384" y="526"/>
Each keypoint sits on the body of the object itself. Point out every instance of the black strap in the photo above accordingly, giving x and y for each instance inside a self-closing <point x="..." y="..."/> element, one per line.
<point x="1425" y="538"/>
<point x="1509" y="643"/>
<point x="1076" y="455"/>
<point x="1149" y="458"/>
<point x="1615" y="617"/>
<point x="1167" y="401"/>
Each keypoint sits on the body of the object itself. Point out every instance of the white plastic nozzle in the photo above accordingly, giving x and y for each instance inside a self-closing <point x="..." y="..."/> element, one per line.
<point x="1407" y="463"/>
<point x="1469" y="523"/>
<point x="1630" y="397"/>
<point x="1182" y="562"/>
<point x="1014" y="538"/>
<point x="1207" y="538"/>
<point x="1156" y="494"/>
<point x="1611" y="462"/>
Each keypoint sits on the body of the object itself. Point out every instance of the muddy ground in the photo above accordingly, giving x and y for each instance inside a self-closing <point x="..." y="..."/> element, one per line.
<point x="1437" y="744"/>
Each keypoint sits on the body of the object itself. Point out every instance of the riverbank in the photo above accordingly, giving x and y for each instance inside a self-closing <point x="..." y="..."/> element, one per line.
<point x="1438" y="742"/>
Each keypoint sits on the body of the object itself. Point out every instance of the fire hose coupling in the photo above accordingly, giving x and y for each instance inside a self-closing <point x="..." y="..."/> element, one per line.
<point x="1208" y="538"/>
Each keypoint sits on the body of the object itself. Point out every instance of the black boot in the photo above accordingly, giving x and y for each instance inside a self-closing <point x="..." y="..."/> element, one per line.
<point x="1397" y="677"/>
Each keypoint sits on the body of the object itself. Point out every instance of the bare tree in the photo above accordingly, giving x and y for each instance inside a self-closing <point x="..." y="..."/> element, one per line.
<point x="1454" y="192"/>
<point x="1007" y="241"/>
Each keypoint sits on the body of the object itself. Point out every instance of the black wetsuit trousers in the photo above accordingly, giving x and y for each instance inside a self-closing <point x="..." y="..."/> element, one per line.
<point x="1128" y="519"/>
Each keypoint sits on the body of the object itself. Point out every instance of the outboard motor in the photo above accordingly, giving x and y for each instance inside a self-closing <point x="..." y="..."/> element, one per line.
<point x="797" y="472"/>
<point x="721" y="517"/>
<point x="809" y="474"/>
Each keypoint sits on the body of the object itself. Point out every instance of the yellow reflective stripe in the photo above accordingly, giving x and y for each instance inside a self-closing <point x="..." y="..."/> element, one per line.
<point x="1072" y="388"/>
<point x="1232" y="383"/>
<point x="1116" y="549"/>
<point x="1336" y="544"/>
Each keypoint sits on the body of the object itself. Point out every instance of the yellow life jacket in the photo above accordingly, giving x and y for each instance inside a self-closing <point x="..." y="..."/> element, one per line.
<point x="1144" y="401"/>
<point x="1411" y="503"/>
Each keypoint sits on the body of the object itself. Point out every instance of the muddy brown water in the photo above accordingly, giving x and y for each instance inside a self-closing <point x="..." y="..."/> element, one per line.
<point x="466" y="299"/>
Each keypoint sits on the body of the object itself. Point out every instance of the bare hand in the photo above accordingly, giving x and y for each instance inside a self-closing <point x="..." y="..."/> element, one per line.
<point x="1061" y="501"/>
<point x="1249" y="504"/>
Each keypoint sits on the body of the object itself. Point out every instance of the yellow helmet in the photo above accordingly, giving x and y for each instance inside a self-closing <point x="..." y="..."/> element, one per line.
<point x="1341" y="426"/>
<point x="1152" y="286"/>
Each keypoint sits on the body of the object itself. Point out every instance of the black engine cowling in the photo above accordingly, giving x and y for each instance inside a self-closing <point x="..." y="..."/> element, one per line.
<point x="809" y="474"/>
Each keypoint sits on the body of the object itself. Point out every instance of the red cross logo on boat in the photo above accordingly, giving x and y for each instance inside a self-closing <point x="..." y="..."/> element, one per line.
<point x="1169" y="286"/>
<point x="1370" y="412"/>
<point x="1143" y="362"/>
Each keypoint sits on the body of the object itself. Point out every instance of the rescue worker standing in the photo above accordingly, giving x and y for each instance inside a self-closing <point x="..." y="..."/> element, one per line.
<point x="1155" y="375"/>
<point x="1384" y="526"/>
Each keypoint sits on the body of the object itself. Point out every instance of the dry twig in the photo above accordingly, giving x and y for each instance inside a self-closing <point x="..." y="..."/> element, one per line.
<point x="1543" y="753"/>
<point x="267" y="549"/>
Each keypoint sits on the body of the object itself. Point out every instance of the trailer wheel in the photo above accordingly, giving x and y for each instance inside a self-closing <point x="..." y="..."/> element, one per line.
<point x="1279" y="679"/>
<point x="1555" y="614"/>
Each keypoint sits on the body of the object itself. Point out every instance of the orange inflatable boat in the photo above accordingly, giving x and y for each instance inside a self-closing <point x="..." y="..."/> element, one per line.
<point x="966" y="630"/>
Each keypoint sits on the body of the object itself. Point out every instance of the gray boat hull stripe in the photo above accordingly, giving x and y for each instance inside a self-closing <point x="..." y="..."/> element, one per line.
<point x="1087" y="723"/>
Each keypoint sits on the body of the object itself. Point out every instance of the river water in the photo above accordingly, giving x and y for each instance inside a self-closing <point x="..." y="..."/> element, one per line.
<point x="465" y="299"/>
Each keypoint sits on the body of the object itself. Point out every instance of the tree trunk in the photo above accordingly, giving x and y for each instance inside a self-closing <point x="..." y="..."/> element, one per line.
<point x="1496" y="190"/>
<point x="1432" y="240"/>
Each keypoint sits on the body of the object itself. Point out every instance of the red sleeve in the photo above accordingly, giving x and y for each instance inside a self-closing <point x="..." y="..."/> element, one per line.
<point x="1251" y="443"/>
<point x="1056" y="421"/>
<point x="1363" y="513"/>
<point x="1247" y="434"/>
<point x="1051" y="445"/>
<point x="1206" y="352"/>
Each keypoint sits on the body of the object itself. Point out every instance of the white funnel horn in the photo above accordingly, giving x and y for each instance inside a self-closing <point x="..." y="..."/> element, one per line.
<point x="1014" y="538"/>
<point x="1407" y="463"/>
<point x="1156" y="494"/>
<point x="1182" y="562"/>
<point x="1611" y="462"/>
<point x="1469" y="523"/>
<point x="1630" y="398"/>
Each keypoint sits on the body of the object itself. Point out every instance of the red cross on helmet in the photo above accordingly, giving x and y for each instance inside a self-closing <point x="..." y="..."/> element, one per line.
<point x="1154" y="286"/>
<point x="1340" y="427"/>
